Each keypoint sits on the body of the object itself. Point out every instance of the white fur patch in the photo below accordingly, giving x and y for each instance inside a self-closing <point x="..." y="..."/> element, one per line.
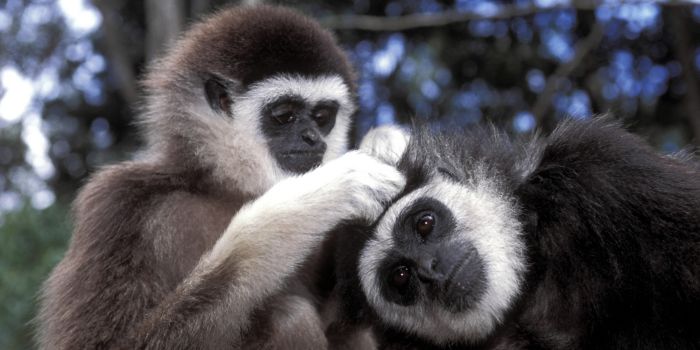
<point x="387" y="142"/>
<point x="273" y="235"/>
<point x="487" y="219"/>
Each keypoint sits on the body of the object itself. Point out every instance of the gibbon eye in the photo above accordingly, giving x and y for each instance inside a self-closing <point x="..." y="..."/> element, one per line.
<point x="323" y="115"/>
<point x="400" y="276"/>
<point x="425" y="225"/>
<point x="224" y="102"/>
<point x="284" y="114"/>
<point x="285" y="118"/>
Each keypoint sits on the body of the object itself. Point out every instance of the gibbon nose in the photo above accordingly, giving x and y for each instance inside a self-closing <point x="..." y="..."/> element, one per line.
<point x="427" y="270"/>
<point x="310" y="136"/>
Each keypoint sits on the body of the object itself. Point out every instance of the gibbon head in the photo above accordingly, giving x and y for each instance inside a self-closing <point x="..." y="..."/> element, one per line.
<point x="251" y="94"/>
<point x="446" y="260"/>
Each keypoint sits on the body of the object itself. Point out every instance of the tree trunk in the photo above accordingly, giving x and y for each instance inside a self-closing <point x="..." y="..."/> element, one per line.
<point x="164" y="21"/>
<point x="114" y="47"/>
<point x="678" y="19"/>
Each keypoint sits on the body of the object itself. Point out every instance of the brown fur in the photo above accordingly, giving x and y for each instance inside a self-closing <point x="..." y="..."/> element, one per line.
<point x="135" y="275"/>
<point x="114" y="272"/>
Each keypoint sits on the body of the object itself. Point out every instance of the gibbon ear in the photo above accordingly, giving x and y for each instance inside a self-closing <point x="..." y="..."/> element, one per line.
<point x="219" y="93"/>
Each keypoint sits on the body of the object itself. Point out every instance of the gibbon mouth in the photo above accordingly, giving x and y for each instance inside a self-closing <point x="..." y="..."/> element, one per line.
<point x="303" y="154"/>
<point x="465" y="285"/>
<point x="300" y="161"/>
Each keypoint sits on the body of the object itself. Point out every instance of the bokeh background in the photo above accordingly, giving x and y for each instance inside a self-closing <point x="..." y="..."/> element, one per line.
<point x="69" y="72"/>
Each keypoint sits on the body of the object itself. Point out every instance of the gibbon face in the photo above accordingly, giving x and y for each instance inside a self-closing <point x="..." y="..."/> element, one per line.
<point x="446" y="260"/>
<point x="301" y="118"/>
<point x="290" y="123"/>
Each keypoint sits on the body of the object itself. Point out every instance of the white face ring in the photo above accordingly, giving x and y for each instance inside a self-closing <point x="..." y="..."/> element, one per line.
<point x="488" y="220"/>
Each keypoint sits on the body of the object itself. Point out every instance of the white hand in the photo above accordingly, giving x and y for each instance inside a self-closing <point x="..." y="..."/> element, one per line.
<point x="386" y="142"/>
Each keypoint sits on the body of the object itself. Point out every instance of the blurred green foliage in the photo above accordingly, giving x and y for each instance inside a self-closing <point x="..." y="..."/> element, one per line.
<point x="33" y="241"/>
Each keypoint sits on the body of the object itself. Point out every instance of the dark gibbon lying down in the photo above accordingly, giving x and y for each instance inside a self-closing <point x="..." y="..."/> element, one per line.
<point x="584" y="239"/>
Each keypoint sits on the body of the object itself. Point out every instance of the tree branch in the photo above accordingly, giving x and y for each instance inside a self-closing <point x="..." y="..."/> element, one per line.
<point x="252" y="2"/>
<point x="164" y="21"/>
<point x="423" y="20"/>
<point x="581" y="50"/>
<point x="115" y="49"/>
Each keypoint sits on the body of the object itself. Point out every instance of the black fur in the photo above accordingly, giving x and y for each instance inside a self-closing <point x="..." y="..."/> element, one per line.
<point x="612" y="230"/>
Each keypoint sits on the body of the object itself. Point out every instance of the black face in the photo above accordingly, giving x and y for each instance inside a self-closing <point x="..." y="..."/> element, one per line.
<point x="294" y="128"/>
<point x="429" y="261"/>
<point x="295" y="131"/>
